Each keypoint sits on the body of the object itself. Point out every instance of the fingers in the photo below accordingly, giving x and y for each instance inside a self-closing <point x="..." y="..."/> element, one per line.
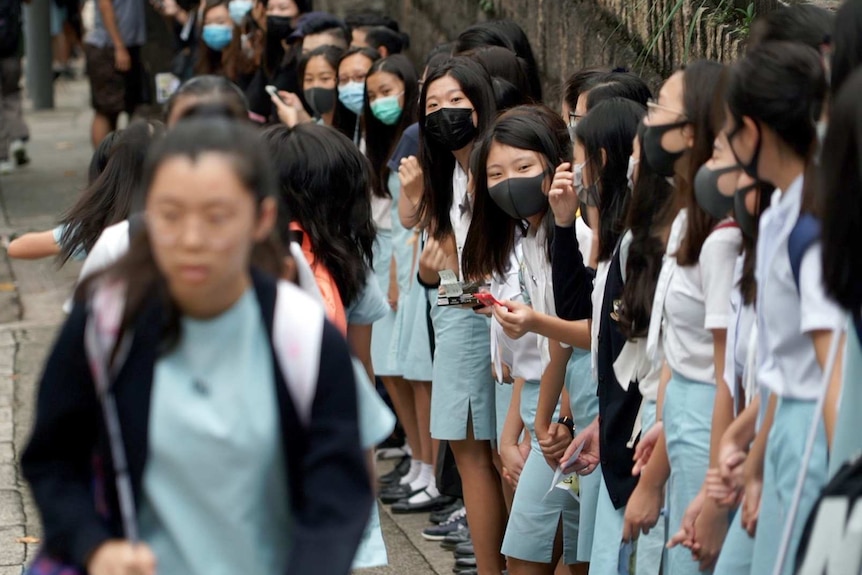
<point x="680" y="538"/>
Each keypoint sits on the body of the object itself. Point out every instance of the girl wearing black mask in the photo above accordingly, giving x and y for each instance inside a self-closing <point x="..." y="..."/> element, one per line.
<point x="456" y="107"/>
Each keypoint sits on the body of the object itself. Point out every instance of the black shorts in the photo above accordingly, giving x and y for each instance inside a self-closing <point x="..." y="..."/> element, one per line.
<point x="112" y="91"/>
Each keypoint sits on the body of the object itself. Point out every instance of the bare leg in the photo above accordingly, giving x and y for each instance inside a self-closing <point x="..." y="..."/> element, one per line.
<point x="102" y="126"/>
<point x="483" y="498"/>
<point x="401" y="393"/>
<point x="422" y="393"/>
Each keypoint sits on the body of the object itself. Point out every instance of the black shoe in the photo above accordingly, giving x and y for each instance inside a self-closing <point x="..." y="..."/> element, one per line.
<point x="454" y="539"/>
<point x="465" y="550"/>
<point x="442" y="516"/>
<point x="404" y="506"/>
<point x="466" y="563"/>
<point x="459" y="571"/>
<point x="400" y="470"/>
<point x="396" y="493"/>
<point x="439" y="532"/>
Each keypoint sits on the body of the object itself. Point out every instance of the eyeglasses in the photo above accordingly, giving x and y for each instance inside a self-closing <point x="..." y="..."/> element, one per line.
<point x="574" y="119"/>
<point x="652" y="106"/>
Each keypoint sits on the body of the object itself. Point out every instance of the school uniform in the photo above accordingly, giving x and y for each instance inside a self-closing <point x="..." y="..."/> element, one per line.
<point x="739" y="367"/>
<point x="690" y="301"/>
<point x="787" y="366"/>
<point x="306" y="526"/>
<point x="381" y="334"/>
<point x="462" y="386"/>
<point x="847" y="443"/>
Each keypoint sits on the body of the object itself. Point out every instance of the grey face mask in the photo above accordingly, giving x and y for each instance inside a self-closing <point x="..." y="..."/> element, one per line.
<point x="708" y="194"/>
<point x="586" y="194"/>
<point x="520" y="197"/>
<point x="745" y="220"/>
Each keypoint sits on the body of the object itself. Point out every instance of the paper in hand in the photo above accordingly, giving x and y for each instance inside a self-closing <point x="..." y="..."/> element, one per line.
<point x="559" y="476"/>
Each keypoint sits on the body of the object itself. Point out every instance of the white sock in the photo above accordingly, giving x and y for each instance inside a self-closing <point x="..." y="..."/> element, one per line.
<point x="415" y="470"/>
<point x="426" y="476"/>
<point x="407" y="449"/>
<point x="428" y="494"/>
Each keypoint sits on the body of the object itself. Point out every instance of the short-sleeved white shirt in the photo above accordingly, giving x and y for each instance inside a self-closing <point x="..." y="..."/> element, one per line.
<point x="740" y="336"/>
<point x="786" y="315"/>
<point x="460" y="214"/>
<point x="536" y="276"/>
<point x="691" y="301"/>
<point x="112" y="245"/>
<point x="521" y="355"/>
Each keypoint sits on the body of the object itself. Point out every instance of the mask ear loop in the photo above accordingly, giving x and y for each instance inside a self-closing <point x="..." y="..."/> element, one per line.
<point x="751" y="167"/>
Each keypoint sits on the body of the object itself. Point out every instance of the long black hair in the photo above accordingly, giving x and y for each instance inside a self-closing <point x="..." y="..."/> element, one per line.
<point x="324" y="183"/>
<point x="804" y="23"/>
<point x="437" y="162"/>
<point x="210" y="90"/>
<point x="649" y="214"/>
<point x="380" y="139"/>
<point x="190" y="139"/>
<point x="846" y="43"/>
<point x="508" y="73"/>
<point x="607" y="134"/>
<point x="507" y="34"/>
<point x="491" y="237"/>
<point x="840" y="202"/>
<point x="618" y="85"/>
<point x="701" y="81"/>
<point x="114" y="194"/>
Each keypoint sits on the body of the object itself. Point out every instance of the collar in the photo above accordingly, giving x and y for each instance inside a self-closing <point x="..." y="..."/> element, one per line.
<point x="791" y="200"/>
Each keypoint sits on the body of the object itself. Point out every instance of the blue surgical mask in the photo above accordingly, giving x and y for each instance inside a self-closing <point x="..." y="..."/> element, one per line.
<point x="352" y="95"/>
<point x="217" y="36"/>
<point x="387" y="110"/>
<point x="238" y="9"/>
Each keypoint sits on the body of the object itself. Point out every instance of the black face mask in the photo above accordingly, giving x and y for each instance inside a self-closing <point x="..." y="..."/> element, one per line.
<point x="279" y="27"/>
<point x="321" y="100"/>
<point x="660" y="160"/>
<point x="744" y="219"/>
<point x="751" y="167"/>
<point x="451" y="128"/>
<point x="520" y="197"/>
<point x="708" y="194"/>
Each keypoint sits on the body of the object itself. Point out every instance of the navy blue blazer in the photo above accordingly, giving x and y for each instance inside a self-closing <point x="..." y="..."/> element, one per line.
<point x="330" y="491"/>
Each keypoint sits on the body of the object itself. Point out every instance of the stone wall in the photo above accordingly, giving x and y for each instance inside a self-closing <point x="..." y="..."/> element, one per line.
<point x="651" y="37"/>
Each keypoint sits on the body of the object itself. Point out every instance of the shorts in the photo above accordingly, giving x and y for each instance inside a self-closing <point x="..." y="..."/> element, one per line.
<point x="112" y="91"/>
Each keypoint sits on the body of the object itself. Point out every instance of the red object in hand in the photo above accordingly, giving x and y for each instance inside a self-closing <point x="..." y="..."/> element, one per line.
<point x="487" y="299"/>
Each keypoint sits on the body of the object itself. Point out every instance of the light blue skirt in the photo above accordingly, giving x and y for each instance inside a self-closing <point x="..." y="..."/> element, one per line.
<point x="605" y="554"/>
<point x="535" y="515"/>
<point x="462" y="384"/>
<point x="847" y="443"/>
<point x="651" y="546"/>
<point x="784" y="451"/>
<point x="735" y="556"/>
<point x="584" y="403"/>
<point x="381" y="334"/>
<point x="412" y="334"/>
<point x="502" y="398"/>
<point x="687" y="427"/>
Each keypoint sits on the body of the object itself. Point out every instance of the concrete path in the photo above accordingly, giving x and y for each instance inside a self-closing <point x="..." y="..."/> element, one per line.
<point x="31" y="296"/>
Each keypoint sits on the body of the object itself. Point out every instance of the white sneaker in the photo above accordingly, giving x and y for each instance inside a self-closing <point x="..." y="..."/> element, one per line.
<point x="7" y="167"/>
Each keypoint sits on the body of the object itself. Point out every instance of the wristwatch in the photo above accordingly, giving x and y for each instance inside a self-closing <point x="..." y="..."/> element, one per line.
<point x="567" y="421"/>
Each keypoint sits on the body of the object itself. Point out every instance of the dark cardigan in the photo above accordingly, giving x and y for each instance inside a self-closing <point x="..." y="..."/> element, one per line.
<point x="331" y="496"/>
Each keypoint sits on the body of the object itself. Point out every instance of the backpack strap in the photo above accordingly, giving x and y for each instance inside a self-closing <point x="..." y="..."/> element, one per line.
<point x="297" y="333"/>
<point x="805" y="233"/>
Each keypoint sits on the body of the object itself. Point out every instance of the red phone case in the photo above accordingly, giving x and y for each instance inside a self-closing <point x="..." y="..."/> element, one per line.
<point x="487" y="299"/>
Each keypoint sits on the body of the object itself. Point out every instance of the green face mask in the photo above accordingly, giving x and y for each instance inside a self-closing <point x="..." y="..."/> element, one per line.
<point x="387" y="109"/>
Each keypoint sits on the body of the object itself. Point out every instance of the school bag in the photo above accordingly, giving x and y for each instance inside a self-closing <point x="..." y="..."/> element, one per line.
<point x="10" y="27"/>
<point x="805" y="233"/>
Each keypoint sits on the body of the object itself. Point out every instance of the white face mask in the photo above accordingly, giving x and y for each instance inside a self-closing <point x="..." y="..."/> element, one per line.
<point x="822" y="127"/>
<point x="630" y="172"/>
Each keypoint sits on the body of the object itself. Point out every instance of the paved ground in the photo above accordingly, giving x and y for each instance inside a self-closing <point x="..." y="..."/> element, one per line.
<point x="31" y="295"/>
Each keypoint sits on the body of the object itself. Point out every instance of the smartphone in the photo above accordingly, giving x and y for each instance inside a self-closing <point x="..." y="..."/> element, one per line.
<point x="487" y="299"/>
<point x="273" y="91"/>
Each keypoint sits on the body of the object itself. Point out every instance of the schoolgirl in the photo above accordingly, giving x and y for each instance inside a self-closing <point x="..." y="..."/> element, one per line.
<point x="197" y="320"/>
<point x="456" y="107"/>
<point x="352" y="70"/>
<point x="512" y="169"/>
<point x="774" y="138"/>
<point x="689" y="313"/>
<point x="220" y="50"/>
<point x="603" y="145"/>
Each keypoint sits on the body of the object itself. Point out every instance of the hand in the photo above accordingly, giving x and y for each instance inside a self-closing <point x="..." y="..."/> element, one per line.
<point x="392" y="296"/>
<point x="686" y="534"/>
<point x="516" y="318"/>
<point x="410" y="176"/>
<point x="554" y="442"/>
<point x="590" y="455"/>
<point x="119" y="557"/>
<point x="731" y="464"/>
<point x="710" y="529"/>
<point x="168" y="8"/>
<point x="645" y="446"/>
<point x="506" y="376"/>
<point x="513" y="463"/>
<point x="719" y="492"/>
<point x="290" y="109"/>
<point x="563" y="197"/>
<point x="432" y="260"/>
<point x="122" y="60"/>
<point x="751" y="505"/>
<point x="643" y="510"/>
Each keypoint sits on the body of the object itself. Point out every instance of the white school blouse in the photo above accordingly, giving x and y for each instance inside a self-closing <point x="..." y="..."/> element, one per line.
<point x="786" y="361"/>
<point x="460" y="213"/>
<point x="741" y="340"/>
<point x="691" y="301"/>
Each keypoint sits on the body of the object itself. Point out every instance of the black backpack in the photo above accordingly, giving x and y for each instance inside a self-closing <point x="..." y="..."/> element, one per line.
<point x="10" y="27"/>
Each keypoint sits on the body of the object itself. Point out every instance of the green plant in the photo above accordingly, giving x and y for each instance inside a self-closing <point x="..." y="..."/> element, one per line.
<point x="747" y="16"/>
<point x="487" y="6"/>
